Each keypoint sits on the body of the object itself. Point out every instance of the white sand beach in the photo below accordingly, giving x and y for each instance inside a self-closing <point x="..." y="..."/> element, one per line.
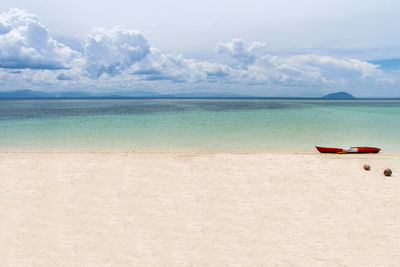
<point x="198" y="209"/>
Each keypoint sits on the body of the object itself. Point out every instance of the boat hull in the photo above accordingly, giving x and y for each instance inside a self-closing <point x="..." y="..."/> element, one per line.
<point x="356" y="149"/>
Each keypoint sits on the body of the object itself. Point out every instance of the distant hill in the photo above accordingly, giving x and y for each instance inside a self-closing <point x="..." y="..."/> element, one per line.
<point x="71" y="94"/>
<point x="131" y="94"/>
<point x="203" y="94"/>
<point x="24" y="94"/>
<point x="29" y="94"/>
<point x="339" y="95"/>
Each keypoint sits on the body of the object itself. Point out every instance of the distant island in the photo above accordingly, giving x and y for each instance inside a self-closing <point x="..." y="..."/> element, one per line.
<point x="339" y="95"/>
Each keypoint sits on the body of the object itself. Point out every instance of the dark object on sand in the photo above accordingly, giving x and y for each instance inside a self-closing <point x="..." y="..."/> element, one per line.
<point x="387" y="172"/>
<point x="354" y="149"/>
<point x="367" y="167"/>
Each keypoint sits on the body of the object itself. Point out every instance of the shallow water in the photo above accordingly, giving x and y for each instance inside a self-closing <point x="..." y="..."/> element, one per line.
<point x="211" y="124"/>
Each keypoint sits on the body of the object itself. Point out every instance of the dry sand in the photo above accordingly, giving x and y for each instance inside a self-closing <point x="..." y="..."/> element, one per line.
<point x="200" y="209"/>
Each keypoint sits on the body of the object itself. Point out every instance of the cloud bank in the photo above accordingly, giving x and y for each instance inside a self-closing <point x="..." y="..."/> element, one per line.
<point x="121" y="59"/>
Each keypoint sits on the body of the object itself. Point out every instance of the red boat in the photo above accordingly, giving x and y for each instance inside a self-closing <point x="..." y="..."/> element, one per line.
<point x="355" y="149"/>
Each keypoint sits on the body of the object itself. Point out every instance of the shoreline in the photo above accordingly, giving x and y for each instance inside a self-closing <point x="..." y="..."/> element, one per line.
<point x="196" y="151"/>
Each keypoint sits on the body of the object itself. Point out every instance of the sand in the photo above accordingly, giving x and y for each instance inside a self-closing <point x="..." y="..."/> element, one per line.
<point x="198" y="209"/>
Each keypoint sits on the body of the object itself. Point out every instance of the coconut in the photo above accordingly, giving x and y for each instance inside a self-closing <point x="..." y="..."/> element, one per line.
<point x="387" y="172"/>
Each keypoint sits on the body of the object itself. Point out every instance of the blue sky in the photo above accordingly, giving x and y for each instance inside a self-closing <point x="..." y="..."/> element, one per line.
<point x="265" y="48"/>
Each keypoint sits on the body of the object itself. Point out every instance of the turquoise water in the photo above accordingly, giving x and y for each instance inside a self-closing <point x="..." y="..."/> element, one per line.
<point x="142" y="125"/>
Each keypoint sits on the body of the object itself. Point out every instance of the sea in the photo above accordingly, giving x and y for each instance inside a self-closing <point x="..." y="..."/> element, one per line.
<point x="287" y="125"/>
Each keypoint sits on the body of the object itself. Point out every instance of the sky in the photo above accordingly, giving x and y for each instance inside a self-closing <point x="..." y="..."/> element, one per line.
<point x="260" y="48"/>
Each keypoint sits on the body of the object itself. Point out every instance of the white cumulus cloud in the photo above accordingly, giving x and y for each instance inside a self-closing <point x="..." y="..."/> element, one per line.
<point x="120" y="58"/>
<point x="301" y="71"/>
<point x="177" y="68"/>
<point x="326" y="69"/>
<point x="25" y="44"/>
<point x="240" y="50"/>
<point x="113" y="52"/>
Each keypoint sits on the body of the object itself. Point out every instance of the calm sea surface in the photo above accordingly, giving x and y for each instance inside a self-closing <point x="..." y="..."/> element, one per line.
<point x="142" y="125"/>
